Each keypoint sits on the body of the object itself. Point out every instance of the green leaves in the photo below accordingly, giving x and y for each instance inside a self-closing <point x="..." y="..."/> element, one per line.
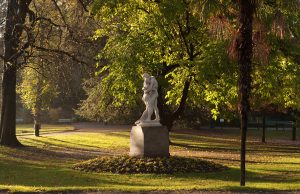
<point x="179" y="40"/>
<point x="166" y="39"/>
<point x="35" y="90"/>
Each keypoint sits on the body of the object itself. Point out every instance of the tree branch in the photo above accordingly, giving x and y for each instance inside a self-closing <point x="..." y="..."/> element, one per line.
<point x="60" y="13"/>
<point x="60" y="52"/>
<point x="48" y="20"/>
<point x="83" y="5"/>
<point x="182" y="103"/>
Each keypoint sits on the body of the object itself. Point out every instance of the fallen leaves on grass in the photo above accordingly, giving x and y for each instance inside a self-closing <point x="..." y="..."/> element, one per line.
<point x="135" y="165"/>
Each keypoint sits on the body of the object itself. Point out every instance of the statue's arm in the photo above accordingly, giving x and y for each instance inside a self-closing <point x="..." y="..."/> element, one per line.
<point x="150" y="87"/>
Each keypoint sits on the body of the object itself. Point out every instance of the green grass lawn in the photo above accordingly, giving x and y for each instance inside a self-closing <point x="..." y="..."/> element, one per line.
<point x="27" y="129"/>
<point x="45" y="163"/>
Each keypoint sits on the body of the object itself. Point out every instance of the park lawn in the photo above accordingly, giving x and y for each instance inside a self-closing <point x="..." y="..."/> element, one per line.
<point x="27" y="129"/>
<point x="45" y="164"/>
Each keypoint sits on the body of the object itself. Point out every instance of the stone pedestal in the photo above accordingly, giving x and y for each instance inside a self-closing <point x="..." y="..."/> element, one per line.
<point x="149" y="141"/>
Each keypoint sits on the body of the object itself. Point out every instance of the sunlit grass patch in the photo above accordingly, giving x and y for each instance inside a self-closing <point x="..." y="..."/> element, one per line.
<point x="27" y="129"/>
<point x="81" y="140"/>
<point x="44" y="163"/>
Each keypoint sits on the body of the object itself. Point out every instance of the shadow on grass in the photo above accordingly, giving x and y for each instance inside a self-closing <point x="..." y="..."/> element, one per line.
<point x="204" y="148"/>
<point x="66" y="144"/>
<point x="114" y="134"/>
<point x="250" y="161"/>
<point x="229" y="140"/>
<point x="36" y="154"/>
<point x="253" y="190"/>
<point x="16" y="173"/>
<point x="252" y="148"/>
<point x="46" y="132"/>
<point x="39" y="176"/>
<point x="275" y="149"/>
<point x="233" y="175"/>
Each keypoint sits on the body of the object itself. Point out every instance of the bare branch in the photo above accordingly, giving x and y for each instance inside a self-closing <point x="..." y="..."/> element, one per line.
<point x="62" y="15"/>
<point x="60" y="52"/>
<point x="48" y="20"/>
<point x="26" y="45"/>
<point x="35" y="69"/>
<point x="83" y="5"/>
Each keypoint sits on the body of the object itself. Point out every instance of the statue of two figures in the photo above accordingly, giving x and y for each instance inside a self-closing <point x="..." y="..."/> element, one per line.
<point x="150" y="99"/>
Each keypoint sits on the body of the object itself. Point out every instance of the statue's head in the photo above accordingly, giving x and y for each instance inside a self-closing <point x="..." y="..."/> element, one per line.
<point x="146" y="75"/>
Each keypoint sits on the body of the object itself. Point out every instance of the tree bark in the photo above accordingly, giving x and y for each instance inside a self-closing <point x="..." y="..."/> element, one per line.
<point x="37" y="110"/>
<point x="263" y="138"/>
<point x="168" y="119"/>
<point x="8" y="111"/>
<point x="244" y="50"/>
<point x="3" y="12"/>
<point x="15" y="18"/>
<point x="37" y="124"/>
<point x="294" y="133"/>
<point x="294" y="138"/>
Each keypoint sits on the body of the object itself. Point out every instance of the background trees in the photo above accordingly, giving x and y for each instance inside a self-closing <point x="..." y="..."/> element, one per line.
<point x="213" y="57"/>
<point x="167" y="39"/>
<point x="35" y="32"/>
<point x="37" y="92"/>
<point x="185" y="44"/>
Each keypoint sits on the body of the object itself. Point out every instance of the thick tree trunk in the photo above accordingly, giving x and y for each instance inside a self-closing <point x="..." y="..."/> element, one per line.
<point x="263" y="138"/>
<point x="14" y="20"/>
<point x="8" y="111"/>
<point x="166" y="115"/>
<point x="244" y="50"/>
<point x="3" y="12"/>
<point x="168" y="119"/>
<point x="8" y="108"/>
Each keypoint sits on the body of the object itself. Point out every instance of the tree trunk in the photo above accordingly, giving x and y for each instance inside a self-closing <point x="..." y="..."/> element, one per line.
<point x="244" y="49"/>
<point x="263" y="138"/>
<point x="37" y="125"/>
<point x="168" y="119"/>
<point x="294" y="138"/>
<point x="8" y="111"/>
<point x="3" y="12"/>
<point x="37" y="109"/>
<point x="14" y="19"/>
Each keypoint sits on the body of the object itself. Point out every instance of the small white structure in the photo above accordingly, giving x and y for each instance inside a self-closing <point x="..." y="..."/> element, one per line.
<point x="149" y="138"/>
<point x="150" y="99"/>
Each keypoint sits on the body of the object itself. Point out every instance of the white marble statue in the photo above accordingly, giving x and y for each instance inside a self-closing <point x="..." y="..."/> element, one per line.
<point x="150" y="100"/>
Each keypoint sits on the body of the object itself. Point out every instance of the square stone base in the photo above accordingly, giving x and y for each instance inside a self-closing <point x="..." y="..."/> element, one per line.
<point x="149" y="141"/>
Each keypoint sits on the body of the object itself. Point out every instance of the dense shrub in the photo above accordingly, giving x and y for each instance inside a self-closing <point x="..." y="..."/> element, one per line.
<point x="134" y="165"/>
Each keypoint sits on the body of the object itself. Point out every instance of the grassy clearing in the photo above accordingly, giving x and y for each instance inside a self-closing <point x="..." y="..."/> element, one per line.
<point x="45" y="164"/>
<point x="27" y="129"/>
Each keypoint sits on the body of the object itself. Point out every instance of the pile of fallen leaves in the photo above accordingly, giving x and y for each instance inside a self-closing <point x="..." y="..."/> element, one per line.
<point x="135" y="165"/>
